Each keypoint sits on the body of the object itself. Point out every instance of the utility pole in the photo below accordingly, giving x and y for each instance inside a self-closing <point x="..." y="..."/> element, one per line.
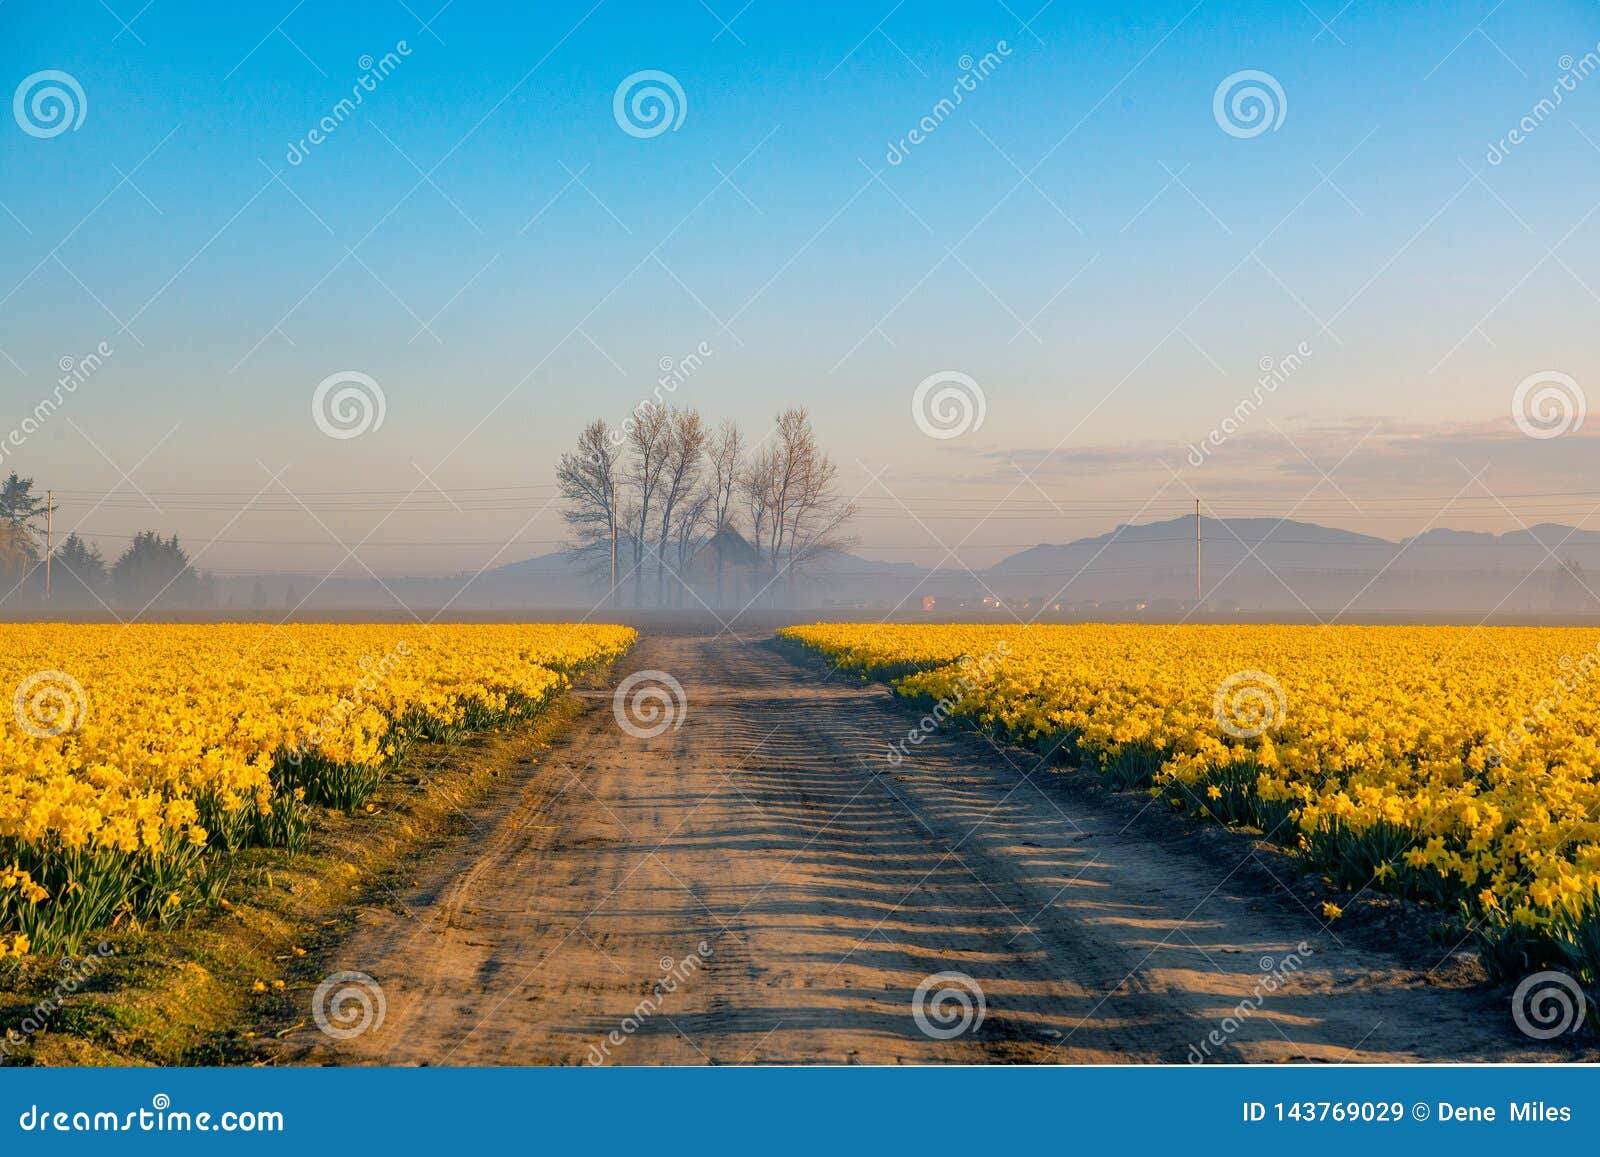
<point x="611" y="509"/>
<point x="49" y="537"/>
<point x="1197" y="555"/>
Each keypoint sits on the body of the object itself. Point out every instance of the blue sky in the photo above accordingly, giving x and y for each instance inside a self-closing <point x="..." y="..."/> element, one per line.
<point x="1080" y="236"/>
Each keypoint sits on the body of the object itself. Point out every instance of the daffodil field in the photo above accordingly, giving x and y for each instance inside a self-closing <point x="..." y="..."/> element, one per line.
<point x="1453" y="765"/>
<point x="136" y="759"/>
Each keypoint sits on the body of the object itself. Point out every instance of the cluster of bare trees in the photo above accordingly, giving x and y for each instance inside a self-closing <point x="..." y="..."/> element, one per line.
<point x="646" y="500"/>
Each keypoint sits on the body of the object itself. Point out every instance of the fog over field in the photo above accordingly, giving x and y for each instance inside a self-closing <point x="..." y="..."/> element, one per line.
<point x="1248" y="566"/>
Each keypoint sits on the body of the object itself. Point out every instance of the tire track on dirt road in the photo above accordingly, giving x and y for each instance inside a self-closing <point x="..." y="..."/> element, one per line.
<point x="759" y="884"/>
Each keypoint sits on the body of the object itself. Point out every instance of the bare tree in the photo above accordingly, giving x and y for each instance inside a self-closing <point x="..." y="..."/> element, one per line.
<point x="693" y="514"/>
<point x="811" y="517"/>
<point x="757" y="484"/>
<point x="680" y="476"/>
<point x="666" y="483"/>
<point x="795" y="444"/>
<point x="648" y="441"/>
<point x="818" y="516"/>
<point x="724" y="454"/>
<point x="788" y="488"/>
<point x="587" y="479"/>
<point x="725" y="457"/>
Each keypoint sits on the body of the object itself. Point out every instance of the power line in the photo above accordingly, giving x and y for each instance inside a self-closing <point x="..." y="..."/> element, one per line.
<point x="333" y="544"/>
<point x="1119" y="514"/>
<point x="1082" y="544"/>
<point x="340" y="491"/>
<point x="1233" y="500"/>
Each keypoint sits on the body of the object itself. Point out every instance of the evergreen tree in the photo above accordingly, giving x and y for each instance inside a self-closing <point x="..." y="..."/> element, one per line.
<point x="22" y="517"/>
<point x="79" y="571"/>
<point x="153" y="569"/>
<point x="20" y="506"/>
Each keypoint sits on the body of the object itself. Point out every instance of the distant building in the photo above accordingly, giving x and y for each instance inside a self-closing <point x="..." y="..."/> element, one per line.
<point x="1570" y="589"/>
<point x="726" y="570"/>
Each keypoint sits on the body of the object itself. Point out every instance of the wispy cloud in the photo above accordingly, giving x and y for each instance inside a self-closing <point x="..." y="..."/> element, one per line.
<point x="1379" y="454"/>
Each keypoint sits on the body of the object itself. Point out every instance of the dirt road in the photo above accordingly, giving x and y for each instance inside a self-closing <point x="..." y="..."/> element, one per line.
<point x="759" y="884"/>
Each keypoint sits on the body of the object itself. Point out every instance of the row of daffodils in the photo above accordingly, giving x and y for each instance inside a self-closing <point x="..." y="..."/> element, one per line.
<point x="135" y="758"/>
<point x="1454" y="765"/>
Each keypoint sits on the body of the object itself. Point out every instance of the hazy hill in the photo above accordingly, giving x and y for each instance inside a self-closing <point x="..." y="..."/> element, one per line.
<point x="1261" y="563"/>
<point x="1249" y="564"/>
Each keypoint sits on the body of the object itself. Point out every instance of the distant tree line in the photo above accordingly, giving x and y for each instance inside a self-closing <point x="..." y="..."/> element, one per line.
<point x="151" y="570"/>
<point x="677" y="504"/>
